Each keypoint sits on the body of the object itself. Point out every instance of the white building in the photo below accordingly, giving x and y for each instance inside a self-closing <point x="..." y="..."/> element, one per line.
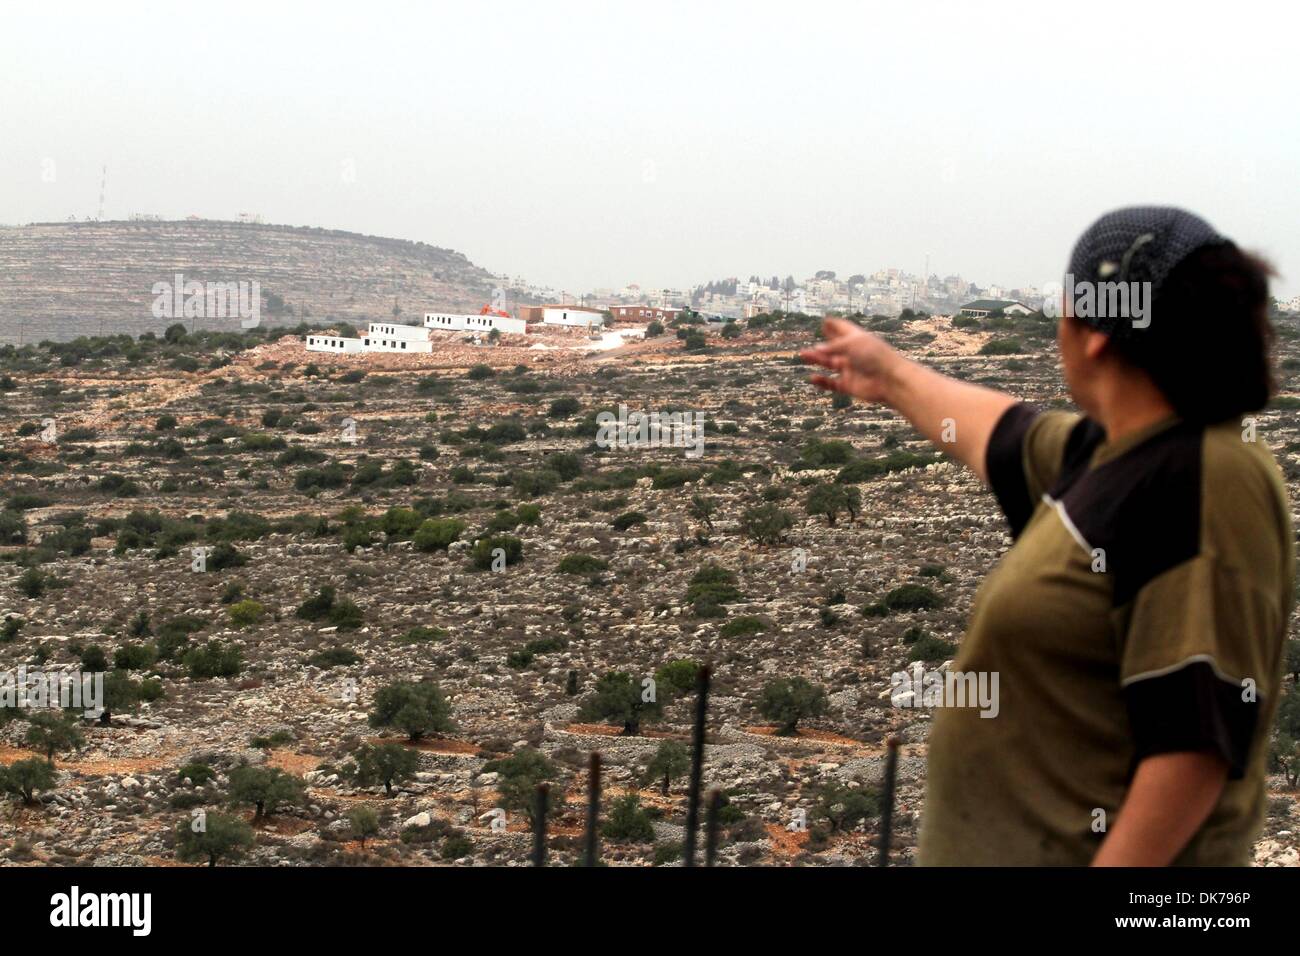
<point x="453" y="322"/>
<point x="982" y="308"/>
<point x="572" y="315"/>
<point x="391" y="337"/>
<point x="332" y="343"/>
<point x="395" y="337"/>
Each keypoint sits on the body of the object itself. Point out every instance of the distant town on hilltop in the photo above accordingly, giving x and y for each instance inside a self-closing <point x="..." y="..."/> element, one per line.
<point x="309" y="273"/>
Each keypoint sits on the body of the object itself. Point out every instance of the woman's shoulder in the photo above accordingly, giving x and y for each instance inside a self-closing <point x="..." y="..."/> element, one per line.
<point x="1238" y="444"/>
<point x="1243" y="489"/>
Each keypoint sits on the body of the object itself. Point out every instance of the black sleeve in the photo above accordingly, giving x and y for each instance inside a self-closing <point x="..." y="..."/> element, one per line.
<point x="1005" y="464"/>
<point x="1192" y="709"/>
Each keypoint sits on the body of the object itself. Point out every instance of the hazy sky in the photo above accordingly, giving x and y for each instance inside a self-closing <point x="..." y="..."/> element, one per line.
<point x="595" y="144"/>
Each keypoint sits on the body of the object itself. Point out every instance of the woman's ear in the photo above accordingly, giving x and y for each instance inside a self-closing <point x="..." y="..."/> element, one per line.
<point x="1095" y="344"/>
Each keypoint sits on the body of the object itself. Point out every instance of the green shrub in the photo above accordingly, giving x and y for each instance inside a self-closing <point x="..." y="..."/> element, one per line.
<point x="456" y="846"/>
<point x="356" y="536"/>
<point x="582" y="564"/>
<point x="213" y="659"/>
<point x="175" y="633"/>
<point x="416" y="709"/>
<point x="618" y="698"/>
<point x="134" y="657"/>
<point x="1001" y="347"/>
<point x="26" y="778"/>
<point x="318" y="606"/>
<point x="673" y="478"/>
<point x="94" y="659"/>
<point x="628" y="519"/>
<point x="196" y="772"/>
<point x="334" y="657"/>
<point x="279" y="738"/>
<point x="32" y="582"/>
<point x="789" y="700"/>
<point x="766" y="523"/>
<point x="628" y="822"/>
<point x="864" y="469"/>
<point x="260" y="441"/>
<point x="266" y="788"/>
<point x="823" y="454"/>
<point x="521" y="773"/>
<point x="912" y="597"/>
<point x="742" y="627"/>
<point x="484" y="551"/>
<point x="666" y="853"/>
<point x="503" y="520"/>
<point x="222" y="836"/>
<point x="930" y="649"/>
<point x="843" y="807"/>
<point x="384" y="764"/>
<point x="710" y="588"/>
<point x="315" y="479"/>
<point x="830" y="500"/>
<point x="533" y="484"/>
<point x="246" y="613"/>
<point x="13" y="528"/>
<point x="678" y="676"/>
<point x="10" y="628"/>
<point x="564" y="407"/>
<point x="564" y="464"/>
<point x="346" y="615"/>
<point x="363" y="823"/>
<point x="423" y="635"/>
<point x="400" y="522"/>
<point x="225" y="556"/>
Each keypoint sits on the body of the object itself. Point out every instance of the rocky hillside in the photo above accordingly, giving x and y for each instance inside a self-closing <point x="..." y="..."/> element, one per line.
<point x="61" y="280"/>
<point x="345" y="562"/>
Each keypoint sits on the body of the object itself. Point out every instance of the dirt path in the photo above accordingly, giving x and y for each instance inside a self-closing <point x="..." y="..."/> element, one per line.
<point x="91" y="768"/>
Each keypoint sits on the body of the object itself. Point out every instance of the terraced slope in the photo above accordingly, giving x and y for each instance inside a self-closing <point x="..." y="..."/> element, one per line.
<point x="61" y="280"/>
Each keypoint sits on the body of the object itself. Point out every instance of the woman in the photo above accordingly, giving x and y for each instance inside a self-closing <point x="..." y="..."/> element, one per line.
<point x="1138" y="621"/>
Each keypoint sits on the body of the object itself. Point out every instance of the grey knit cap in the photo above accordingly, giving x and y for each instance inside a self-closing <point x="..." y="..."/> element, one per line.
<point x="1137" y="244"/>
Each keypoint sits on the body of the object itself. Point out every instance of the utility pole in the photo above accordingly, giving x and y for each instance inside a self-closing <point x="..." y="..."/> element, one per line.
<point x="925" y="276"/>
<point x="102" y="183"/>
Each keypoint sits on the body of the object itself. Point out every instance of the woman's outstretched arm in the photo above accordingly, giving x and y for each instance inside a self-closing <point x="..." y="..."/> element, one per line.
<point x="956" y="416"/>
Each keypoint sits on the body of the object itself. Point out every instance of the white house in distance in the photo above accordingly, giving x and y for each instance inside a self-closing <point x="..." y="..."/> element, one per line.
<point x="572" y="315"/>
<point x="379" y="337"/>
<point x="983" y="308"/>
<point x="395" y="337"/>
<point x="454" y="322"/>
<point x="332" y="343"/>
<point x="391" y="337"/>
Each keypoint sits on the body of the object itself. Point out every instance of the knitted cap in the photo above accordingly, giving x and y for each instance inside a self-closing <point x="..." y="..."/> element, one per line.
<point x="1136" y="244"/>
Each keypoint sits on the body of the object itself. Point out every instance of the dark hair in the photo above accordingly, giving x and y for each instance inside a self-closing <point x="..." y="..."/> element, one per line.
<point x="1208" y="348"/>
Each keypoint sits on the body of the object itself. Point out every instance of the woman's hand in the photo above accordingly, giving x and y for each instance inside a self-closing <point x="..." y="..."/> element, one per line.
<point x="864" y="364"/>
<point x="956" y="416"/>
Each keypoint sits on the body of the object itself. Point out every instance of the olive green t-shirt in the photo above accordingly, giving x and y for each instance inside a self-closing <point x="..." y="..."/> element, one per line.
<point x="1142" y="609"/>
